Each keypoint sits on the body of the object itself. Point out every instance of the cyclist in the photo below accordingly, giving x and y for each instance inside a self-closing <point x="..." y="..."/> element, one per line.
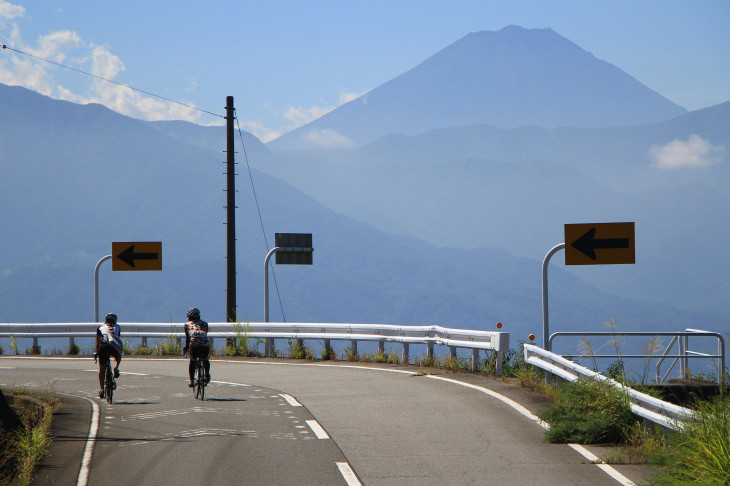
<point x="196" y="343"/>
<point x="108" y="343"/>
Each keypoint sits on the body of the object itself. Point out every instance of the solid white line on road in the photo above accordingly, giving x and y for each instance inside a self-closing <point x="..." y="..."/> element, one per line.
<point x="499" y="397"/>
<point x="604" y="467"/>
<point x="348" y="474"/>
<point x="581" y="450"/>
<point x="317" y="429"/>
<point x="290" y="399"/>
<point x="85" y="469"/>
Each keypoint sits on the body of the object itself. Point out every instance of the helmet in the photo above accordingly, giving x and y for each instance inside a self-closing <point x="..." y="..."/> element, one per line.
<point x="112" y="318"/>
<point x="194" y="313"/>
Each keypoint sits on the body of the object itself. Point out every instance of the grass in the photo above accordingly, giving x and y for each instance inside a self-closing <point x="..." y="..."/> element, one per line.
<point x="589" y="412"/>
<point x="169" y="346"/>
<point x="23" y="449"/>
<point x="700" y="453"/>
<point x="297" y="350"/>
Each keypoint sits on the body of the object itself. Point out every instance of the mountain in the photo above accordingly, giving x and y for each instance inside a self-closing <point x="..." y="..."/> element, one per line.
<point x="477" y="186"/>
<point x="80" y="177"/>
<point x="510" y="78"/>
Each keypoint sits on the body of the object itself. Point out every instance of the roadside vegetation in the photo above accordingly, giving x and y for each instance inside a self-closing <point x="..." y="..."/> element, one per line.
<point x="25" y="435"/>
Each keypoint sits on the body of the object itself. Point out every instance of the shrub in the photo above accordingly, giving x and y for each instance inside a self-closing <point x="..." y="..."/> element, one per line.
<point x="700" y="453"/>
<point x="588" y="412"/>
<point x="327" y="352"/>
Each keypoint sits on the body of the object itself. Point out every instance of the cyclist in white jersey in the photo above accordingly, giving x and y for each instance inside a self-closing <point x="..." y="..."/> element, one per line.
<point x="108" y="343"/>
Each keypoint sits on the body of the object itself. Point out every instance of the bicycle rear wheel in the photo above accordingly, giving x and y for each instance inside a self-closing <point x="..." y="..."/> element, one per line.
<point x="109" y="384"/>
<point x="199" y="380"/>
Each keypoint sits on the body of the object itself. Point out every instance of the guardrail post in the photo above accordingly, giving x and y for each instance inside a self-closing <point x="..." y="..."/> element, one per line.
<point x="405" y="359"/>
<point x="452" y="352"/>
<point x="429" y="351"/>
<point x="269" y="348"/>
<point x="474" y="359"/>
<point x="144" y="341"/>
<point x="381" y="347"/>
<point x="353" y="345"/>
<point x="498" y="363"/>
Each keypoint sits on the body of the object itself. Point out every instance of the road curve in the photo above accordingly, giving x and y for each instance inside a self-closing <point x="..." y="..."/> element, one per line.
<point x="383" y="425"/>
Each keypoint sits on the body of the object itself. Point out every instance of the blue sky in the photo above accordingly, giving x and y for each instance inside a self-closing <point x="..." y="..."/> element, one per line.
<point x="287" y="62"/>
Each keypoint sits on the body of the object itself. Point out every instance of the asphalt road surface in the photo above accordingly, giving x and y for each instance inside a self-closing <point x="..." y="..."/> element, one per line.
<point x="284" y="422"/>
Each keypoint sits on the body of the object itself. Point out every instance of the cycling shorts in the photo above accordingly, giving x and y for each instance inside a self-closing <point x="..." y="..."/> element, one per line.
<point x="107" y="350"/>
<point x="201" y="351"/>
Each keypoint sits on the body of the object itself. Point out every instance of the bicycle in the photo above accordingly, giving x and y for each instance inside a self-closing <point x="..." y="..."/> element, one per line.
<point x="199" y="381"/>
<point x="109" y="384"/>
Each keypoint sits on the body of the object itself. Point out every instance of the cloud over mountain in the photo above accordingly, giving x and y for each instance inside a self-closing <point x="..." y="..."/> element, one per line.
<point x="694" y="153"/>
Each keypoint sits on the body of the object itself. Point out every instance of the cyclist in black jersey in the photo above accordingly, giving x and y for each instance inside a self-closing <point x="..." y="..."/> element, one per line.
<point x="197" y="344"/>
<point x="108" y="344"/>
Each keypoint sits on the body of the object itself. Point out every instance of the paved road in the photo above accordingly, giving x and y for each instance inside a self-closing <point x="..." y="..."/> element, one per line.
<point x="390" y="425"/>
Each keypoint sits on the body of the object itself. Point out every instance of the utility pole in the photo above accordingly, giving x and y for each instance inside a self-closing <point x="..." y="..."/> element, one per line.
<point x="230" y="214"/>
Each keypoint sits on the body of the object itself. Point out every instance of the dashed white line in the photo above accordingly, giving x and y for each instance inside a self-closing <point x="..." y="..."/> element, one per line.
<point x="317" y="429"/>
<point x="290" y="399"/>
<point x="348" y="474"/>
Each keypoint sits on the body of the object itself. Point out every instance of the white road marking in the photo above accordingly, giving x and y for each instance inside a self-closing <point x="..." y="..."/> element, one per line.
<point x="290" y="399"/>
<point x="85" y="469"/>
<point x="317" y="429"/>
<point x="348" y="474"/>
<point x="604" y="467"/>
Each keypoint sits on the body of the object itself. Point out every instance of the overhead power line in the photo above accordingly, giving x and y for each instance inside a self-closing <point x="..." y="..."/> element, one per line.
<point x="111" y="81"/>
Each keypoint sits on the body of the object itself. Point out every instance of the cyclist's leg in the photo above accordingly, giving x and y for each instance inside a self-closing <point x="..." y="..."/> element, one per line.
<point x="117" y="360"/>
<point x="191" y="365"/>
<point x="206" y="363"/>
<point x="104" y="352"/>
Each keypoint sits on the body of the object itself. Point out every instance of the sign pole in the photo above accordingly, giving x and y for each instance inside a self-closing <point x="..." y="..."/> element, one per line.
<point x="545" y="323"/>
<point x="96" y="286"/>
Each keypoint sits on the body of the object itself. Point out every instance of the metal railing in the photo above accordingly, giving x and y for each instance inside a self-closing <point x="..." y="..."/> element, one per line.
<point x="685" y="353"/>
<point x="683" y="356"/>
<point x="430" y="336"/>
<point x="658" y="411"/>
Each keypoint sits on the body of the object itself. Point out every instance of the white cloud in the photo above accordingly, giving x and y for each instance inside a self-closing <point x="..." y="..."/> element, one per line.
<point x="346" y="97"/>
<point x="69" y="49"/>
<point x="8" y="11"/>
<point x="301" y="116"/>
<point x="696" y="152"/>
<point x="261" y="132"/>
<point x="325" y="138"/>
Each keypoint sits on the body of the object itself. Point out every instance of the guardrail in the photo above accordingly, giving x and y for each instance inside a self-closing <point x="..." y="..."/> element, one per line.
<point x="431" y="336"/>
<point x="682" y="357"/>
<point x="658" y="411"/>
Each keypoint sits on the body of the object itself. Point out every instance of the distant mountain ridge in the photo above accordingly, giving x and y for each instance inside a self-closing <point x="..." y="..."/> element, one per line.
<point x="509" y="78"/>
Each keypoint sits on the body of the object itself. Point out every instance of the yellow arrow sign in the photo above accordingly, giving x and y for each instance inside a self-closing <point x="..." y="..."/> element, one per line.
<point x="144" y="255"/>
<point x="599" y="244"/>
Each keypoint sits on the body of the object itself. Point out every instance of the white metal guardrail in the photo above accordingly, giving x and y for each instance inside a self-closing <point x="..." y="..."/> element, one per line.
<point x="431" y="336"/>
<point x="658" y="411"/>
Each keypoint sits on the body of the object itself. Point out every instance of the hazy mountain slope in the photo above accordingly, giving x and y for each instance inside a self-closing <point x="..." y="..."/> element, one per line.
<point x="479" y="186"/>
<point x="508" y="78"/>
<point x="99" y="177"/>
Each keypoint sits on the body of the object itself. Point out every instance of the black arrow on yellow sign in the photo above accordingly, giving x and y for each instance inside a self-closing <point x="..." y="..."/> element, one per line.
<point x="588" y="244"/>
<point x="128" y="256"/>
